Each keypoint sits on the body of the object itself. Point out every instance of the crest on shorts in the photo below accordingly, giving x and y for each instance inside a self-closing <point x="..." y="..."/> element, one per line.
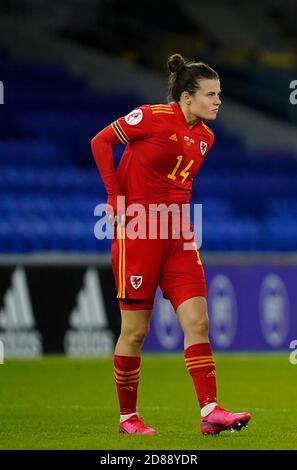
<point x="136" y="281"/>
<point x="203" y="147"/>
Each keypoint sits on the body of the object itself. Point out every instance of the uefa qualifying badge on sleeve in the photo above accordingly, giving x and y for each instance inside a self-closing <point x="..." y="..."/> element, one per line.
<point x="135" y="117"/>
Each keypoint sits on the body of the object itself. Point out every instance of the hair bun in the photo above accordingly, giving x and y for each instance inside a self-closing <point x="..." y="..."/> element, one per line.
<point x="176" y="63"/>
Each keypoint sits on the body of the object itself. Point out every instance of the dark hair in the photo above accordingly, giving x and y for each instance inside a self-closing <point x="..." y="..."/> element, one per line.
<point x="184" y="75"/>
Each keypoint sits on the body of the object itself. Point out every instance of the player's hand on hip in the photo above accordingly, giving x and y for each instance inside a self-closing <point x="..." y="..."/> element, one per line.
<point x="117" y="220"/>
<point x="116" y="210"/>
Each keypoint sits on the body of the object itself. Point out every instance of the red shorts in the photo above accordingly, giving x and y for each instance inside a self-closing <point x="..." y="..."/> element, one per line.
<point x="140" y="265"/>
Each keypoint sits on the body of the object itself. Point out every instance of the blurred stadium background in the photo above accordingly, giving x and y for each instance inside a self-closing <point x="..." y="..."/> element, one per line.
<point x="69" y="68"/>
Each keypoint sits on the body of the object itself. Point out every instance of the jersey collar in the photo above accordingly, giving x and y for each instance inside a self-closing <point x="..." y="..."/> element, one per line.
<point x="181" y="115"/>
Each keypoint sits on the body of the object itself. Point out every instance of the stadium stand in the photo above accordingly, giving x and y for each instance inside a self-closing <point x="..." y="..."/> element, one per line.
<point x="50" y="186"/>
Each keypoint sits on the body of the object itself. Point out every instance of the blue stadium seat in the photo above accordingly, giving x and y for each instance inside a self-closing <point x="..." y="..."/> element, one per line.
<point x="49" y="184"/>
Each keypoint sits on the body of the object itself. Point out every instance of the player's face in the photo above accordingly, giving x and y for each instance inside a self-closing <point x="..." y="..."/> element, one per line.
<point x="206" y="101"/>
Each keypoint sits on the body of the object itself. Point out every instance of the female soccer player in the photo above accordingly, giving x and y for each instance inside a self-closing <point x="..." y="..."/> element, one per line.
<point x="166" y="145"/>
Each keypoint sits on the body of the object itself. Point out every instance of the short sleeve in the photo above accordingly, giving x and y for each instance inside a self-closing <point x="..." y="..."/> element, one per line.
<point x="135" y="125"/>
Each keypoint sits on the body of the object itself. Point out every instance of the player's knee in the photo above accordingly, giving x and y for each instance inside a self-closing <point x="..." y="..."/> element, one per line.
<point x="136" y="336"/>
<point x="198" y="325"/>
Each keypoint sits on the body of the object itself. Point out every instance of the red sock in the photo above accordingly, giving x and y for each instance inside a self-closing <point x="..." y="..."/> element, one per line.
<point x="201" y="366"/>
<point x="126" y="375"/>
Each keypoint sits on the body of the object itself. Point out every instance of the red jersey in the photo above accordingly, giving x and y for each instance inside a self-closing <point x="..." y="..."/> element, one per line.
<point x="161" y="158"/>
<point x="162" y="155"/>
<point x="159" y="163"/>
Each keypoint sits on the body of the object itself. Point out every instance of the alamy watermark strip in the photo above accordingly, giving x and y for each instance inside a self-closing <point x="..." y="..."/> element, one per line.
<point x="293" y="94"/>
<point x="1" y="352"/>
<point x="1" y="93"/>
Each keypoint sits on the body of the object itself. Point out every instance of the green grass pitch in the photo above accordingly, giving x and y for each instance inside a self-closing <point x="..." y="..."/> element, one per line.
<point x="59" y="403"/>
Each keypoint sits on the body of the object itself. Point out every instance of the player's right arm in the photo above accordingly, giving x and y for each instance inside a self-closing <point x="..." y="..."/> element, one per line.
<point x="102" y="145"/>
<point x="133" y="126"/>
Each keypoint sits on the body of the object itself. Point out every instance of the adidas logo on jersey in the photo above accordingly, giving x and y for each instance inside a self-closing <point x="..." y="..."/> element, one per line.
<point x="90" y="335"/>
<point x="173" y="137"/>
<point x="19" y="336"/>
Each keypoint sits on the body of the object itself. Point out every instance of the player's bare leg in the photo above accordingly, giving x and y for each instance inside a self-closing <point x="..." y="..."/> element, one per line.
<point x="193" y="318"/>
<point x="134" y="328"/>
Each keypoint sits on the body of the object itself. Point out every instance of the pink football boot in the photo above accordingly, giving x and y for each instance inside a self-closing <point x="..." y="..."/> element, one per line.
<point x="222" y="420"/>
<point x="135" y="425"/>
